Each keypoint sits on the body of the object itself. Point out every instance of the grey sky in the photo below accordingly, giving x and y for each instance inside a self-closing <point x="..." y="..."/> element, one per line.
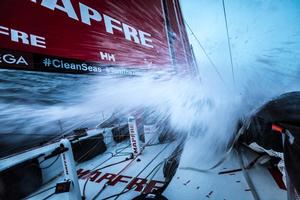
<point x="265" y="37"/>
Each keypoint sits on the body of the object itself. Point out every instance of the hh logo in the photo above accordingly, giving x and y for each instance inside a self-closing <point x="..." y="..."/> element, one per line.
<point x="107" y="56"/>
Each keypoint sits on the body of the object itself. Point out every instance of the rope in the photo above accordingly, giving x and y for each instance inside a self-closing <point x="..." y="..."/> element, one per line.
<point x="246" y="174"/>
<point x="127" y="190"/>
<point x="228" y="41"/>
<point x="43" y="191"/>
<point x="50" y="165"/>
<point x="107" y="183"/>
<point x="96" y="168"/>
<point x="144" y="168"/>
<point x="205" y="53"/>
<point x="225" y="155"/>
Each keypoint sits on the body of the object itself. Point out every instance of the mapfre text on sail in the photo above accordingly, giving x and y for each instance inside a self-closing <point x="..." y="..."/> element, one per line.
<point x="90" y="16"/>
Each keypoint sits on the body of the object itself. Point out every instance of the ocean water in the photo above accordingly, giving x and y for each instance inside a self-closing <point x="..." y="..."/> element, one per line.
<point x="32" y="103"/>
<point x="265" y="39"/>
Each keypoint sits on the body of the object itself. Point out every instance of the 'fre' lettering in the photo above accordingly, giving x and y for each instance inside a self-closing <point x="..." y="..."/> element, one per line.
<point x="22" y="37"/>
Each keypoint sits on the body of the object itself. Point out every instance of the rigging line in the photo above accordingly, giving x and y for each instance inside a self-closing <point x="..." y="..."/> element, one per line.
<point x="228" y="41"/>
<point x="112" y="155"/>
<point x="49" y="196"/>
<point x="246" y="174"/>
<point x="127" y="190"/>
<point x="51" y="164"/>
<point x="43" y="191"/>
<point x="156" y="156"/>
<point x="124" y="190"/>
<point x="108" y="182"/>
<point x="38" y="143"/>
<point x="224" y="156"/>
<point x="205" y="53"/>
<point x="72" y="127"/>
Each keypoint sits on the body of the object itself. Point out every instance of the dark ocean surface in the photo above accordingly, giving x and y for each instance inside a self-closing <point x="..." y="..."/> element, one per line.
<point x="31" y="103"/>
